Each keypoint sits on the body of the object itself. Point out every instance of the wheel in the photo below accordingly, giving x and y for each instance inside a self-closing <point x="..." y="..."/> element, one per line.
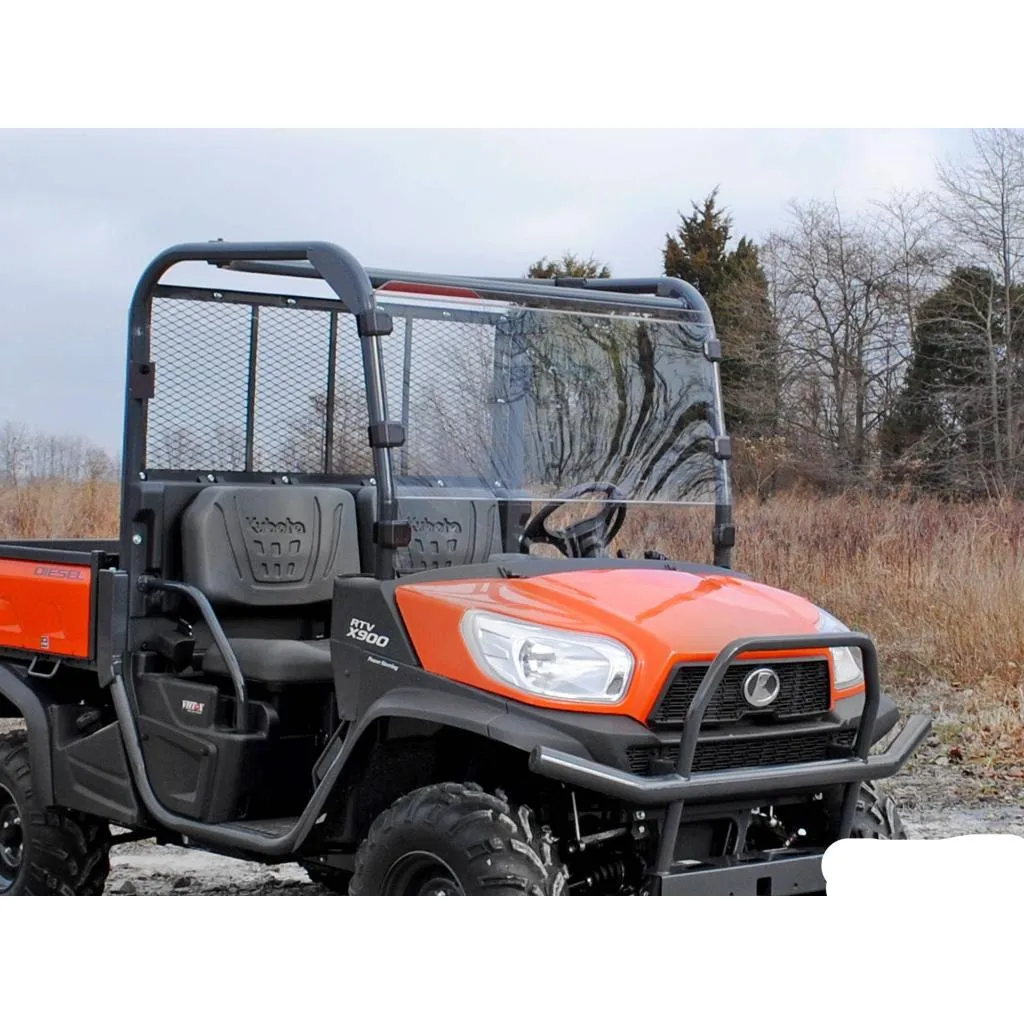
<point x="332" y="879"/>
<point x="45" y="851"/>
<point x="876" y="816"/>
<point x="454" y="839"/>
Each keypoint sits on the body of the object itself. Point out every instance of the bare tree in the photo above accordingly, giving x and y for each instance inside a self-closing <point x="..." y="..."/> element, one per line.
<point x="34" y="455"/>
<point x="841" y="295"/>
<point x="14" y="449"/>
<point x="909" y="231"/>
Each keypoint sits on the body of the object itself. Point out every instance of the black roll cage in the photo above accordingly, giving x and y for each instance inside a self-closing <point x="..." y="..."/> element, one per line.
<point x="356" y="288"/>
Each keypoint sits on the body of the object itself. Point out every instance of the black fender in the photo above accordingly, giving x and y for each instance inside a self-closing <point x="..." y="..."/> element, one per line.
<point x="32" y="708"/>
<point x="472" y="712"/>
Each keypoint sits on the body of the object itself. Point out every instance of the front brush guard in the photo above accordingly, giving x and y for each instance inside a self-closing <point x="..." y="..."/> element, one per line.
<point x="673" y="790"/>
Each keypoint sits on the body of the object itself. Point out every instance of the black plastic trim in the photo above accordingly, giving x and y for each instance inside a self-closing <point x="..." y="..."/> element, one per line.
<point x="676" y="788"/>
<point x="56" y="555"/>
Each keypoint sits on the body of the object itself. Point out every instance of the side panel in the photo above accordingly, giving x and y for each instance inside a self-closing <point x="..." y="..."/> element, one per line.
<point x="90" y="770"/>
<point x="46" y="607"/>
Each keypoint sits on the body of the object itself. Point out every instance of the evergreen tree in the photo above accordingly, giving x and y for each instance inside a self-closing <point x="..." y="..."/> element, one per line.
<point x="700" y="251"/>
<point x="570" y="265"/>
<point x="734" y="285"/>
<point x="941" y="433"/>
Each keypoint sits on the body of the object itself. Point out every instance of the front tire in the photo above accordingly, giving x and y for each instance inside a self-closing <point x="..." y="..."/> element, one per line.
<point x="877" y="816"/>
<point x="454" y="839"/>
<point x="45" y="851"/>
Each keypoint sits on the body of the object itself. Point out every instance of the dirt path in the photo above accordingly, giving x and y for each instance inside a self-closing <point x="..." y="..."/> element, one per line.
<point x="144" y="869"/>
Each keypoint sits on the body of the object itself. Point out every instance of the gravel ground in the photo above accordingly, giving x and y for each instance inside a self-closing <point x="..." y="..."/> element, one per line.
<point x="940" y="798"/>
<point x="937" y="799"/>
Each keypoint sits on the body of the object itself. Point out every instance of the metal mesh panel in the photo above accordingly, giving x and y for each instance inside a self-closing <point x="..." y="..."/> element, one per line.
<point x="197" y="417"/>
<point x="290" y="395"/>
<point x="248" y="386"/>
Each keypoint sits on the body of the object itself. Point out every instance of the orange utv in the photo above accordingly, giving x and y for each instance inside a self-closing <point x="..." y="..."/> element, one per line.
<point x="386" y="603"/>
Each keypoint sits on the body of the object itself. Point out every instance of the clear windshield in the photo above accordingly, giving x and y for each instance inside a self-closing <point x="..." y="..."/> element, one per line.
<point x="541" y="401"/>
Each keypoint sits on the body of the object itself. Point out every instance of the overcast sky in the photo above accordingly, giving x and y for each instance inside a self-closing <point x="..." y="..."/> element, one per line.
<point x="81" y="215"/>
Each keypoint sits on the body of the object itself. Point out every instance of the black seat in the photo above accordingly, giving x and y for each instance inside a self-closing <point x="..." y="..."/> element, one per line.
<point x="275" y="664"/>
<point x="252" y="549"/>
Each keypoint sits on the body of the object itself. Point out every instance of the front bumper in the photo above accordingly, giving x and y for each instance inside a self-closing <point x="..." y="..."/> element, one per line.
<point x="731" y="783"/>
<point x="778" y="873"/>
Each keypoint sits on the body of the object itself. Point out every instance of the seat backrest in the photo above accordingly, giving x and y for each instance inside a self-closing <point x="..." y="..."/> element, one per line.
<point x="255" y="545"/>
<point x="450" y="526"/>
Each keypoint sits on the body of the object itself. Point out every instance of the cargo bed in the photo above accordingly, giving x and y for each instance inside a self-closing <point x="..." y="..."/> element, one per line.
<point x="49" y="597"/>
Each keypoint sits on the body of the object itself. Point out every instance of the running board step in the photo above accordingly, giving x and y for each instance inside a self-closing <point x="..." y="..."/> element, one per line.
<point x="268" y="828"/>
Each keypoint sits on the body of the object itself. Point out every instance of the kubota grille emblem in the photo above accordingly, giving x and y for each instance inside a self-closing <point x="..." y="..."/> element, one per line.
<point x="761" y="687"/>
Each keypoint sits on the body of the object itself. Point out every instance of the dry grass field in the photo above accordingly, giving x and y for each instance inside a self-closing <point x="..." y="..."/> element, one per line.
<point x="56" y="508"/>
<point x="940" y="587"/>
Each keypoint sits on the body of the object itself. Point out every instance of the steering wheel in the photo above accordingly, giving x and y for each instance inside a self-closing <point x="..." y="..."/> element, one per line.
<point x="585" y="539"/>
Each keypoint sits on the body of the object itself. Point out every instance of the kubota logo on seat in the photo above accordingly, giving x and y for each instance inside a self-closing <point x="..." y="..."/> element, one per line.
<point x="422" y="524"/>
<point x="364" y="632"/>
<point x="268" y="525"/>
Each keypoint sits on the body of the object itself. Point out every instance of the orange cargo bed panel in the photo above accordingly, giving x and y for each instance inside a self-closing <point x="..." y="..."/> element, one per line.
<point x="45" y="607"/>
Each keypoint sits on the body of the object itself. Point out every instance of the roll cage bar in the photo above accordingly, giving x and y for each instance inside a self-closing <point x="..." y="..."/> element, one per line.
<point x="356" y="287"/>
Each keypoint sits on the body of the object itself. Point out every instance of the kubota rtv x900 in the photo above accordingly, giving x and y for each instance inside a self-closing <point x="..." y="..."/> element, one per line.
<point x="385" y="602"/>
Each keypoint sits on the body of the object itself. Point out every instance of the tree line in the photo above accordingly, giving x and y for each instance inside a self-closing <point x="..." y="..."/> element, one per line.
<point x="27" y="454"/>
<point x="880" y="349"/>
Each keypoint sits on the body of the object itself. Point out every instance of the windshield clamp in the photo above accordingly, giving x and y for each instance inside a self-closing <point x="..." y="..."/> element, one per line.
<point x="387" y="435"/>
<point x="713" y="350"/>
<point x="373" y="323"/>
<point x="392" y="534"/>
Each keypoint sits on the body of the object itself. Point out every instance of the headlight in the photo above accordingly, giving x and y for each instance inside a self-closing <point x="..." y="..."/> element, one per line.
<point x="548" y="662"/>
<point x="847" y="662"/>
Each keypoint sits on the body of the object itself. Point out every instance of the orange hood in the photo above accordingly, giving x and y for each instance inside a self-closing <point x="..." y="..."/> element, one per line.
<point x="662" y="616"/>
